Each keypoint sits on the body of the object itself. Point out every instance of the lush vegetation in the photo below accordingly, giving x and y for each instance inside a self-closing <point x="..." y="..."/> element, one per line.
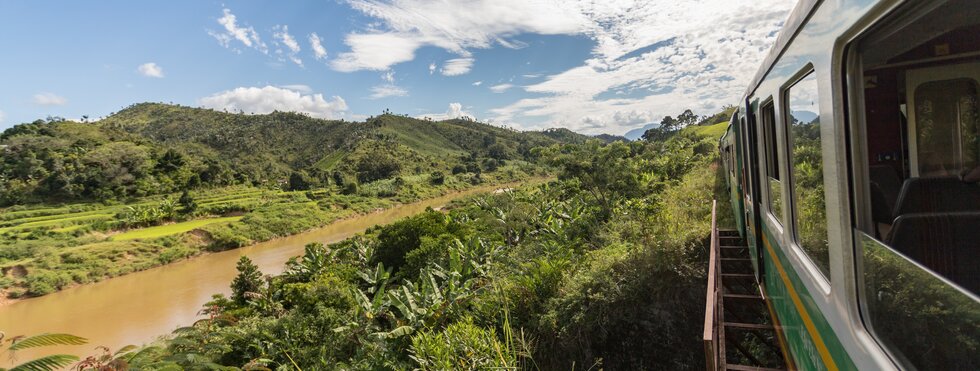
<point x="602" y="267"/>
<point x="155" y="183"/>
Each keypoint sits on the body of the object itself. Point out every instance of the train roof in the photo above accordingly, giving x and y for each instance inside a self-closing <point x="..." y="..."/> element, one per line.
<point x="786" y="34"/>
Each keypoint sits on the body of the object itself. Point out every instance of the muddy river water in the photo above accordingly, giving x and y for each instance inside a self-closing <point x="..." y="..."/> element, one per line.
<point x="138" y="308"/>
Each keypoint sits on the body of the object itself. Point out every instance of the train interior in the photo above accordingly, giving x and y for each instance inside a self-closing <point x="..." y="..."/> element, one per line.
<point x="921" y="84"/>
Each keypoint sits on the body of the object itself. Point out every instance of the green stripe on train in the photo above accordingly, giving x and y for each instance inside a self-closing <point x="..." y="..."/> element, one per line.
<point x="809" y="350"/>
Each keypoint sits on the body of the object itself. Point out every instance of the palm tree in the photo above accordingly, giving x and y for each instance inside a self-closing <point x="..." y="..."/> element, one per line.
<point x="51" y="362"/>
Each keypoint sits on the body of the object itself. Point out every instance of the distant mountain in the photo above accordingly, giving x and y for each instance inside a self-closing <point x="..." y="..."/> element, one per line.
<point x="804" y="116"/>
<point x="158" y="148"/>
<point x="638" y="132"/>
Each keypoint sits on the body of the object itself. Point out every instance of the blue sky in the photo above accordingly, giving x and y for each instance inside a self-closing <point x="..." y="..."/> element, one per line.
<point x="529" y="64"/>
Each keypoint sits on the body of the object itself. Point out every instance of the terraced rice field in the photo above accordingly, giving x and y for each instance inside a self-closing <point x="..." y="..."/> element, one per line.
<point x="171" y="229"/>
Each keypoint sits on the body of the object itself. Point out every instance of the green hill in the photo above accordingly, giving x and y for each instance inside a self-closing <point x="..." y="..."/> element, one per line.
<point x="154" y="148"/>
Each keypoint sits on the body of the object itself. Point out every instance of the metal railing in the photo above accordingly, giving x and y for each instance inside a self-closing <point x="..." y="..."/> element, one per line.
<point x="714" y="343"/>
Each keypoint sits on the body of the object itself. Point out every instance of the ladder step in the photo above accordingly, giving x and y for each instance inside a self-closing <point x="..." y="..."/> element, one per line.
<point x="738" y="275"/>
<point x="736" y="259"/>
<point x="750" y="368"/>
<point x="754" y="326"/>
<point x="735" y="247"/>
<point x="742" y="296"/>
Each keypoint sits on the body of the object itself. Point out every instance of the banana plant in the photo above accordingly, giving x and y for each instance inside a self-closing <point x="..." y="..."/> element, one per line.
<point x="51" y="362"/>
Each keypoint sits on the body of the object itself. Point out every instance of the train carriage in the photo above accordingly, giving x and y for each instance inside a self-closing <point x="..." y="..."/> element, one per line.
<point x="853" y="164"/>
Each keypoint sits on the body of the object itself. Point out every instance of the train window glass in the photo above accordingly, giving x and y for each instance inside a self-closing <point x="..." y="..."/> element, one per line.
<point x="918" y="208"/>
<point x="768" y="119"/>
<point x="806" y="170"/>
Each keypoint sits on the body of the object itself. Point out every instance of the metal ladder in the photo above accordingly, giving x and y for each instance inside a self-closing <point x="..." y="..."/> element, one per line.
<point x="738" y="329"/>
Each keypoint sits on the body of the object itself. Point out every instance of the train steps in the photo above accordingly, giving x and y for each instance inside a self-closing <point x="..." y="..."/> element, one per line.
<point x="751" y="342"/>
<point x="738" y="330"/>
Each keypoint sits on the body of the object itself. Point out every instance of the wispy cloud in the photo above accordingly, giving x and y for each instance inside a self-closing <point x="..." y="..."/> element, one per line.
<point x="232" y="31"/>
<point x="388" y="77"/>
<point x="150" y="70"/>
<point x="432" y="68"/>
<point x="270" y="98"/>
<point x="481" y="24"/>
<point x="477" y="83"/>
<point x="319" y="52"/>
<point x="500" y="88"/>
<point x="49" y="99"/>
<point x="281" y="34"/>
<point x="387" y="90"/>
<point x="457" y="66"/>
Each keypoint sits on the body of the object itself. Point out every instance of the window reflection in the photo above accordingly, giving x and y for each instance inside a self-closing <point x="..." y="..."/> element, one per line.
<point x="809" y="206"/>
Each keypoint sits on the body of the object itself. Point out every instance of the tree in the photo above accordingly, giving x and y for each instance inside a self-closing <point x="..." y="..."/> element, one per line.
<point x="379" y="167"/>
<point x="686" y="118"/>
<point x="299" y="181"/>
<point x="187" y="203"/>
<point x="249" y="279"/>
<point x="170" y="161"/>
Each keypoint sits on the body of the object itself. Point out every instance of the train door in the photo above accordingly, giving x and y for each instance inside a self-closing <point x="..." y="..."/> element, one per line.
<point x="752" y="196"/>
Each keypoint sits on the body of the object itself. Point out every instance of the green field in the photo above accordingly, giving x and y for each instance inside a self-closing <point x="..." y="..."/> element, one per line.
<point x="61" y="244"/>
<point x="171" y="229"/>
<point x="710" y="131"/>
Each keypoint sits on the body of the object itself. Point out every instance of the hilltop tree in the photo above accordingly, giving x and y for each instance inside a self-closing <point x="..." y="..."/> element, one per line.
<point x="686" y="118"/>
<point x="249" y="279"/>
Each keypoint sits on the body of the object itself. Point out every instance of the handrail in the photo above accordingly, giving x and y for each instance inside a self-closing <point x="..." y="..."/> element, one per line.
<point x="710" y="337"/>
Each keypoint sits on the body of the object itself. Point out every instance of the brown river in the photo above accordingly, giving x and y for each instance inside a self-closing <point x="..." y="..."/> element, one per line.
<point x="138" y="308"/>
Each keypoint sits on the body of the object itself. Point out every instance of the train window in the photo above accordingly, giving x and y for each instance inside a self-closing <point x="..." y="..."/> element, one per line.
<point x="768" y="119"/>
<point x="916" y="182"/>
<point x="806" y="171"/>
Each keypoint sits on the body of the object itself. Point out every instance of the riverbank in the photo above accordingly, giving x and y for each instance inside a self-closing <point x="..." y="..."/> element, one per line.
<point x="139" y="307"/>
<point x="37" y="260"/>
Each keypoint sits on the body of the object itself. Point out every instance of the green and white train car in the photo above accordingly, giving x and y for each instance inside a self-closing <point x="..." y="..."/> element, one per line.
<point x="853" y="163"/>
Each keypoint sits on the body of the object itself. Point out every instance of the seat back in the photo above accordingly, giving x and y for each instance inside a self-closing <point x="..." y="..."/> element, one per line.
<point x="947" y="243"/>
<point x="936" y="195"/>
<point x="888" y="181"/>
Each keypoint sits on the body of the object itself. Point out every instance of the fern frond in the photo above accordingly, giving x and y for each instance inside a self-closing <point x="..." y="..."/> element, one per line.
<point x="52" y="362"/>
<point x="46" y="340"/>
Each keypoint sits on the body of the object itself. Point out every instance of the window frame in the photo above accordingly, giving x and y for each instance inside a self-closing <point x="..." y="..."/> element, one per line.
<point x="771" y="160"/>
<point x="823" y="280"/>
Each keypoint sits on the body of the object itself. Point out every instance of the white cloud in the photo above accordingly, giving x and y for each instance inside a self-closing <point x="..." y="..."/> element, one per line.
<point x="150" y="70"/>
<point x="49" y="99"/>
<point x="319" y="52"/>
<point x="305" y="89"/>
<point x="232" y="31"/>
<point x="432" y="68"/>
<point x="270" y="98"/>
<point x="411" y="24"/>
<point x="457" y="66"/>
<point x="455" y="111"/>
<point x="652" y="57"/>
<point x="375" y="52"/>
<point x="281" y="34"/>
<point x="656" y="59"/>
<point x="501" y="88"/>
<point x="477" y="83"/>
<point x="389" y="77"/>
<point x="387" y="90"/>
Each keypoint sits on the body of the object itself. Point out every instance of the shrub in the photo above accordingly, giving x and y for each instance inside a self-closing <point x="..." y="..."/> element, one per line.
<point x="461" y="346"/>
<point x="437" y="178"/>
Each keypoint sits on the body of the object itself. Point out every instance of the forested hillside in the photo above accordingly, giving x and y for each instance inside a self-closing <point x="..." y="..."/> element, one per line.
<point x="154" y="148"/>
<point x="600" y="269"/>
<point x="156" y="183"/>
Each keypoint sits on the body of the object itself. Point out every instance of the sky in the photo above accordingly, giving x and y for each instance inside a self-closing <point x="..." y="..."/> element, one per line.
<point x="589" y="66"/>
